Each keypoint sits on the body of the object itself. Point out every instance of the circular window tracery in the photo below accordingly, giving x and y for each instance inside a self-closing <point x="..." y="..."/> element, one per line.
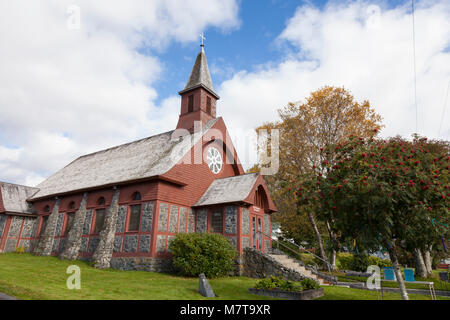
<point x="214" y="160"/>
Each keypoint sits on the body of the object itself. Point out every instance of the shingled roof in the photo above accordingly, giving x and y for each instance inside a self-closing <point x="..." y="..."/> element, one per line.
<point x="149" y="157"/>
<point x="227" y="190"/>
<point x="13" y="198"/>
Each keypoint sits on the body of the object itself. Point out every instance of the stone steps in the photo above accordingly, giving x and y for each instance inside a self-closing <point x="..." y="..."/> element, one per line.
<point x="290" y="263"/>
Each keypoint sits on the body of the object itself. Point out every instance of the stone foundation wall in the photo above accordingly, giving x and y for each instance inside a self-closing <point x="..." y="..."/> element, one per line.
<point x="260" y="265"/>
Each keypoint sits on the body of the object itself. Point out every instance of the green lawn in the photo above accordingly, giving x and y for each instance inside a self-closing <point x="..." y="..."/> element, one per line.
<point x="31" y="277"/>
<point x="438" y="284"/>
<point x="340" y="293"/>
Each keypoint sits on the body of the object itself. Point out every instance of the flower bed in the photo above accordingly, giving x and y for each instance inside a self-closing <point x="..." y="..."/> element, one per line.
<point x="288" y="295"/>
<point x="275" y="287"/>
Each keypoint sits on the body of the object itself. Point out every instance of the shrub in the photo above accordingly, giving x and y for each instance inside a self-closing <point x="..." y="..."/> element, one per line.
<point x="277" y="283"/>
<point x="379" y="262"/>
<point x="269" y="283"/>
<point x="309" y="284"/>
<point x="360" y="262"/>
<point x="344" y="261"/>
<point x="208" y="253"/>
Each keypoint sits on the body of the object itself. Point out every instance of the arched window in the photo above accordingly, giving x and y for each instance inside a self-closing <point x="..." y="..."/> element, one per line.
<point x="47" y="208"/>
<point x="137" y="196"/>
<point x="101" y="201"/>
<point x="72" y="205"/>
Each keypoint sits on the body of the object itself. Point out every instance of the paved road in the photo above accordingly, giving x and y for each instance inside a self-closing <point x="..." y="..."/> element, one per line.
<point x="6" y="297"/>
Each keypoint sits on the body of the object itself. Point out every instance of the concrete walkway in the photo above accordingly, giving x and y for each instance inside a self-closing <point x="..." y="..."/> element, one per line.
<point x="6" y="297"/>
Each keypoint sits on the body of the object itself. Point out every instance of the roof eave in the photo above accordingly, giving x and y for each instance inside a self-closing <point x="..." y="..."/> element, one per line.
<point x="200" y="85"/>
<point x="120" y="183"/>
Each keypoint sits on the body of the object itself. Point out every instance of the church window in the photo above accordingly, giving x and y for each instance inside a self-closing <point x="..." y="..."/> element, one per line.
<point x="208" y="105"/>
<point x="72" y="205"/>
<point x="217" y="222"/>
<point x="135" y="217"/>
<point x="47" y="208"/>
<point x="137" y="196"/>
<point x="214" y="160"/>
<point x="101" y="201"/>
<point x="191" y="103"/>
<point x="99" y="220"/>
<point x="69" y="222"/>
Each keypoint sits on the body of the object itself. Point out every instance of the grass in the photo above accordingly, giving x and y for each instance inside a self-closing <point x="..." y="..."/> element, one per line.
<point x="438" y="284"/>
<point x="44" y="278"/>
<point x="341" y="293"/>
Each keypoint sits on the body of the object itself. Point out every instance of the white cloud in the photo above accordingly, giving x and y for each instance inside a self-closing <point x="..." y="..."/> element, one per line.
<point x="66" y="92"/>
<point x="365" y="47"/>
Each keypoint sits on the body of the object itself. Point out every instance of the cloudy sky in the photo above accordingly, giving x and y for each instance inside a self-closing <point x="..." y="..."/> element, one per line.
<point x="82" y="75"/>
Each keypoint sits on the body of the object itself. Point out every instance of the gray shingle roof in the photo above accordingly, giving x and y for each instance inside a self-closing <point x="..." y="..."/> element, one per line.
<point x="226" y="190"/>
<point x="140" y="159"/>
<point x="14" y="197"/>
<point x="200" y="75"/>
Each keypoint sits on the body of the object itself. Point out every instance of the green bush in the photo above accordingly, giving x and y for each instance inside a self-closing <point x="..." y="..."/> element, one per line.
<point x="344" y="261"/>
<point x="208" y="253"/>
<point x="309" y="284"/>
<point x="379" y="262"/>
<point x="277" y="283"/>
<point x="360" y="262"/>
<point x="269" y="283"/>
<point x="348" y="261"/>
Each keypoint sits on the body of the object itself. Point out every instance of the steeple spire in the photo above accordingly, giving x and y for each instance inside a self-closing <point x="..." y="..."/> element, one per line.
<point x="200" y="76"/>
<point x="198" y="99"/>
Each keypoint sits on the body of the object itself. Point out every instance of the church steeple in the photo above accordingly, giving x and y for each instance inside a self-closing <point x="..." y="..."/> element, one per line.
<point x="198" y="99"/>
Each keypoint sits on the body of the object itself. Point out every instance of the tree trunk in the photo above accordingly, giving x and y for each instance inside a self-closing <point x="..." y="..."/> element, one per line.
<point x="428" y="261"/>
<point x="333" y="251"/>
<point x="323" y="255"/>
<point x="333" y="259"/>
<point x="398" y="272"/>
<point x="421" y="269"/>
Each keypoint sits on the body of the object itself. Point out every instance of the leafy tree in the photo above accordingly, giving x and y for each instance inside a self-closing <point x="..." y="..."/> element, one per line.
<point x="208" y="253"/>
<point x="382" y="193"/>
<point x="328" y="116"/>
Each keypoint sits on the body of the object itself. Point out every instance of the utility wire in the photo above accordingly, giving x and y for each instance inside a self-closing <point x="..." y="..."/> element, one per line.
<point x="414" y="58"/>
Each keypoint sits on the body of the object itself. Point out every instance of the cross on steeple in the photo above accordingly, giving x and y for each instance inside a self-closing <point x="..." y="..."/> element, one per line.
<point x="202" y="36"/>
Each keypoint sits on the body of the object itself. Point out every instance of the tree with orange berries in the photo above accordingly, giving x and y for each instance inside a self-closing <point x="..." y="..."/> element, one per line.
<point x="382" y="194"/>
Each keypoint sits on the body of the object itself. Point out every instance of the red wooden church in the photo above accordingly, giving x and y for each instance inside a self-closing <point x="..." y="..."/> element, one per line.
<point x="121" y="207"/>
